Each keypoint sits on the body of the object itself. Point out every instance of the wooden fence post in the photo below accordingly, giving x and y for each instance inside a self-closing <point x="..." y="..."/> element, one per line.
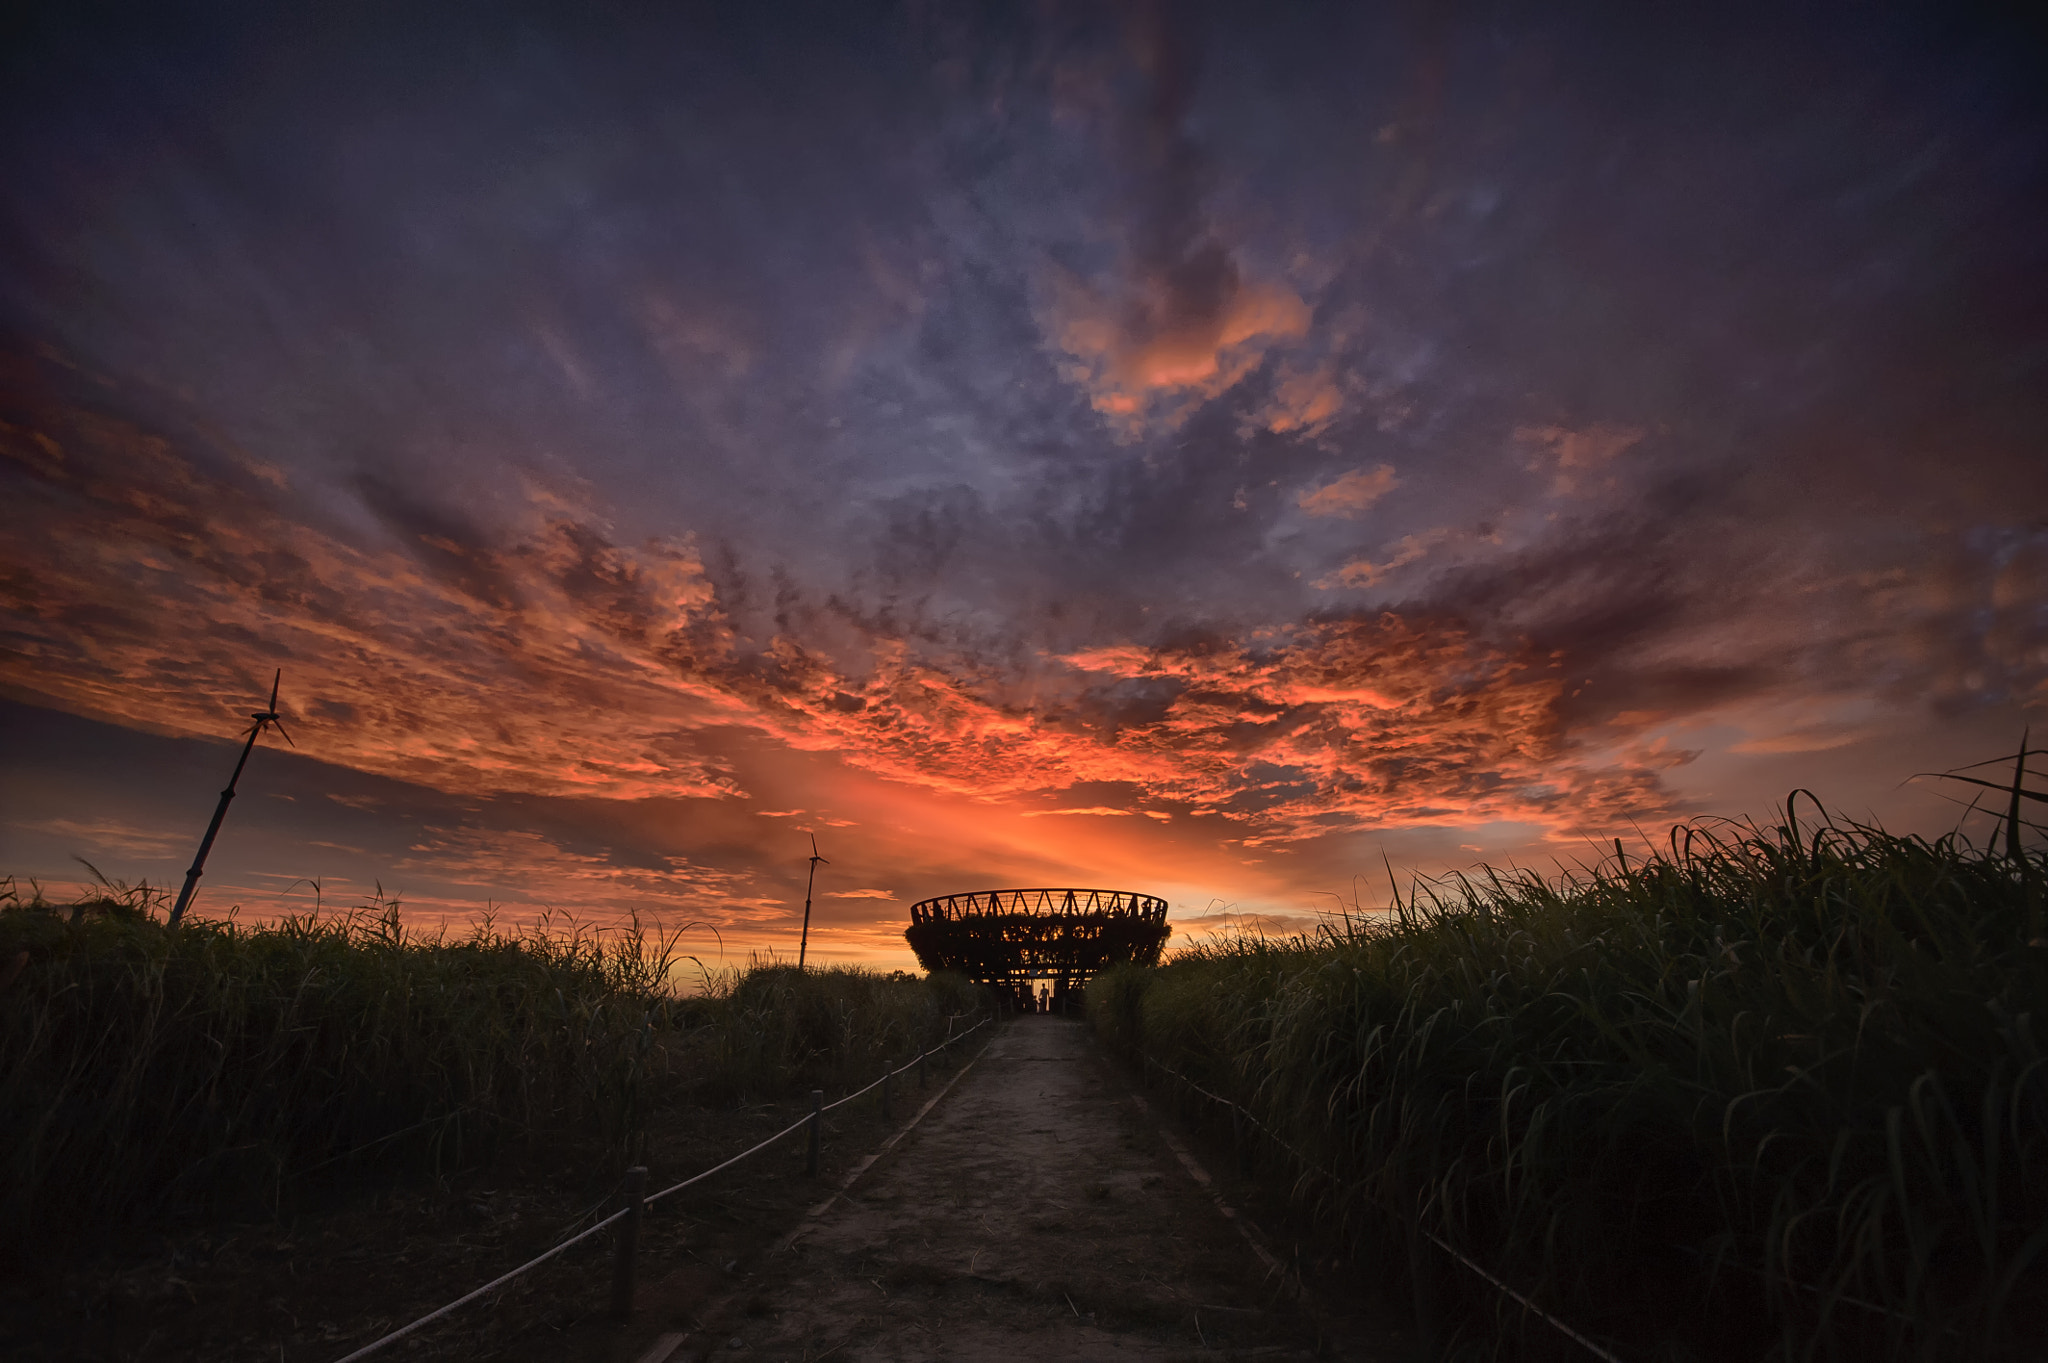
<point x="626" y="1242"/>
<point x="817" y="1117"/>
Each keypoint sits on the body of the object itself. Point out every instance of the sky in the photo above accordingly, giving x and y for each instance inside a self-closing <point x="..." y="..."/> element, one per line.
<point x="1230" y="452"/>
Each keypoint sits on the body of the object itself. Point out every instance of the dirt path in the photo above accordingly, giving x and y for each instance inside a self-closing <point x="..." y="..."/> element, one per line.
<point x="1037" y="1213"/>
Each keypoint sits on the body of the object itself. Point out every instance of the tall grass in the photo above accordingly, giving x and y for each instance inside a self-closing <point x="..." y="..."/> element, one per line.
<point x="775" y="1028"/>
<point x="1774" y="1092"/>
<point x="147" y="1072"/>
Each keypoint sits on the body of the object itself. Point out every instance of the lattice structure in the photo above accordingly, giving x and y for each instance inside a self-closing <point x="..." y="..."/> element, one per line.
<point x="1013" y="939"/>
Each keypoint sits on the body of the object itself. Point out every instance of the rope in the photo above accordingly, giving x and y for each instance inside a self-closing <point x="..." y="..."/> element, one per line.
<point x="504" y="1278"/>
<point x="1307" y="1163"/>
<point x="496" y="1282"/>
<point x="1596" y="1350"/>
<point x="842" y="1102"/>
<point x="796" y="1125"/>
<point x="908" y="1064"/>
<point x="1527" y="1305"/>
<point x="1271" y="1134"/>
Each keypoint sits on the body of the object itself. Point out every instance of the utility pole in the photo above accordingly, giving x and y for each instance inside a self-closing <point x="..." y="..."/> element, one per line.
<point x="264" y="719"/>
<point x="803" y="944"/>
<point x="2012" y="816"/>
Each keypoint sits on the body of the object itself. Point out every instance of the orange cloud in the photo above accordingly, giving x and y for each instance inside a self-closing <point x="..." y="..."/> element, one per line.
<point x="1574" y="454"/>
<point x="100" y="837"/>
<point x="559" y="663"/>
<point x="1805" y="740"/>
<point x="1152" y="347"/>
<point x="167" y="602"/>
<point x="1352" y="494"/>
<point x="1377" y="721"/>
<point x="1104" y="811"/>
<point x="1173" y="321"/>
<point x="1361" y="572"/>
<point x="1306" y="401"/>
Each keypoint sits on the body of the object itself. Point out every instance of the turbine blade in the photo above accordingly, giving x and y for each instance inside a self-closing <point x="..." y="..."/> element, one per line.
<point x="281" y="729"/>
<point x="275" y="682"/>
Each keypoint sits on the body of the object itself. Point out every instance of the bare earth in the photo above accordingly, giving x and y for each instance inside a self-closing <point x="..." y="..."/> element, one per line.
<point x="1038" y="1212"/>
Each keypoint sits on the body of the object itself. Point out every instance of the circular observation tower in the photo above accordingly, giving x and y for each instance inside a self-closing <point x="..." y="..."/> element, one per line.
<point x="1012" y="940"/>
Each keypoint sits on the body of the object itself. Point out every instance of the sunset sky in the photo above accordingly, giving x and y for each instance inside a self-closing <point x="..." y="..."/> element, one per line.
<point x="1212" y="450"/>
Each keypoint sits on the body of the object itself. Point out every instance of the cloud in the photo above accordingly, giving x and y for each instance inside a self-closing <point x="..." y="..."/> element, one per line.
<point x="557" y="663"/>
<point x="1305" y="400"/>
<point x="1817" y="738"/>
<point x="1153" y="345"/>
<point x="97" y="838"/>
<point x="508" y="864"/>
<point x="568" y="458"/>
<point x="545" y="658"/>
<point x="861" y="894"/>
<point x="1573" y="455"/>
<point x="1360" y="572"/>
<point x="1366" y="721"/>
<point x="1174" y="320"/>
<point x="1351" y="494"/>
<point x="1102" y="810"/>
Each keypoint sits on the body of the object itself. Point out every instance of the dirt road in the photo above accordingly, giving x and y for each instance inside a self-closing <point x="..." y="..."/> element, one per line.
<point x="1038" y="1213"/>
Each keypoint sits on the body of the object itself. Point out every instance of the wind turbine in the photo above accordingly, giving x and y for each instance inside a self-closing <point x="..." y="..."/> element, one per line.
<point x="264" y="719"/>
<point x="804" y="942"/>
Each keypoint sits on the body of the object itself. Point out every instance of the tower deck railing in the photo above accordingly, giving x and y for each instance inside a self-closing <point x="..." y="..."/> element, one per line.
<point x="1040" y="903"/>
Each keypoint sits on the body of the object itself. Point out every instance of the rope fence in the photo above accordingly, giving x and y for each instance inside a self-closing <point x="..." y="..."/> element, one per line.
<point x="1596" y="1350"/>
<point x="637" y="1203"/>
<point x="1837" y="1298"/>
<point x="1843" y="1299"/>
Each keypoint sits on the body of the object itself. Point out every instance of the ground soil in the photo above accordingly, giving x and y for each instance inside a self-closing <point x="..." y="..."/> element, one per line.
<point x="1040" y="1211"/>
<point x="1041" y="1208"/>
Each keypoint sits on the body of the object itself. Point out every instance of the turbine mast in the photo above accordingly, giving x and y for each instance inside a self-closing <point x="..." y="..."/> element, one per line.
<point x="804" y="942"/>
<point x="264" y="719"/>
